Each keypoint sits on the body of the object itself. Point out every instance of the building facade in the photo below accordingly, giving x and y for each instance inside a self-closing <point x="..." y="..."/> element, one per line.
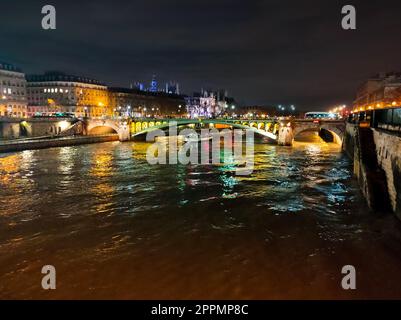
<point x="55" y="92"/>
<point x="201" y="105"/>
<point x="13" y="99"/>
<point x="135" y="103"/>
<point x="380" y="91"/>
<point x="209" y="104"/>
<point x="172" y="88"/>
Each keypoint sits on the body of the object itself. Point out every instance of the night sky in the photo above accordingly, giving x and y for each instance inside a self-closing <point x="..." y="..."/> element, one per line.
<point x="262" y="52"/>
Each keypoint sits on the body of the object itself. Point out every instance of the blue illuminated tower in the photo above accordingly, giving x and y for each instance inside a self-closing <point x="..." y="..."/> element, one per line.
<point x="153" y="84"/>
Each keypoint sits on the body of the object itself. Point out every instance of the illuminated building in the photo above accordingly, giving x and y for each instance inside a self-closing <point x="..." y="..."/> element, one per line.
<point x="153" y="85"/>
<point x="193" y="106"/>
<point x="207" y="104"/>
<point x="201" y="105"/>
<point x="13" y="102"/>
<point x="138" y="86"/>
<point x="58" y="92"/>
<point x="172" y="88"/>
<point x="380" y="91"/>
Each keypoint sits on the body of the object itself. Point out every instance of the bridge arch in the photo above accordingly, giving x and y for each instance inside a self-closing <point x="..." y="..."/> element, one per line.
<point x="121" y="127"/>
<point x="336" y="133"/>
<point x="102" y="125"/>
<point x="102" y="130"/>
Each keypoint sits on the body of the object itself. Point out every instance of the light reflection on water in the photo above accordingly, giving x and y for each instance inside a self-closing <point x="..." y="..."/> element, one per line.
<point x="116" y="227"/>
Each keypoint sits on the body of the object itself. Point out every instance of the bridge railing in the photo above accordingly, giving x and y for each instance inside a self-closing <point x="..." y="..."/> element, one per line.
<point x="209" y="119"/>
<point x="385" y="119"/>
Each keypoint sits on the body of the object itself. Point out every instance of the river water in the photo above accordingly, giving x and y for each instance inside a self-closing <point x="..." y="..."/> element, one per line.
<point x="116" y="227"/>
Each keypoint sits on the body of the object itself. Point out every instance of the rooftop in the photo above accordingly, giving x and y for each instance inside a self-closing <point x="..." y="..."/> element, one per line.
<point x="144" y="93"/>
<point x="60" y="76"/>
<point x="9" y="67"/>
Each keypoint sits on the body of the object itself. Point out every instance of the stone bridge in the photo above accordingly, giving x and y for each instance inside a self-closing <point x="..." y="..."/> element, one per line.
<point x="266" y="128"/>
<point x="335" y="127"/>
<point x="282" y="131"/>
<point x="13" y="128"/>
<point x="102" y="126"/>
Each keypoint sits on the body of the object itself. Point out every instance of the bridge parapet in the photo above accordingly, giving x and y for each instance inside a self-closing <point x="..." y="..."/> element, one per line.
<point x="281" y="130"/>
<point x="267" y="127"/>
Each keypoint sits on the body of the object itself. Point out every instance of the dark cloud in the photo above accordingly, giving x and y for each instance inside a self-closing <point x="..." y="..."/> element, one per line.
<point x="288" y="52"/>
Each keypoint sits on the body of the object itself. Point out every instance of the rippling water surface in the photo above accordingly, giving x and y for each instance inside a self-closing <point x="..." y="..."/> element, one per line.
<point x="116" y="227"/>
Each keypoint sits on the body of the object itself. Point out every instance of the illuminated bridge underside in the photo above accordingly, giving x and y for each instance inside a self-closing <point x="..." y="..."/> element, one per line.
<point x="267" y="129"/>
<point x="335" y="127"/>
<point x="283" y="132"/>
